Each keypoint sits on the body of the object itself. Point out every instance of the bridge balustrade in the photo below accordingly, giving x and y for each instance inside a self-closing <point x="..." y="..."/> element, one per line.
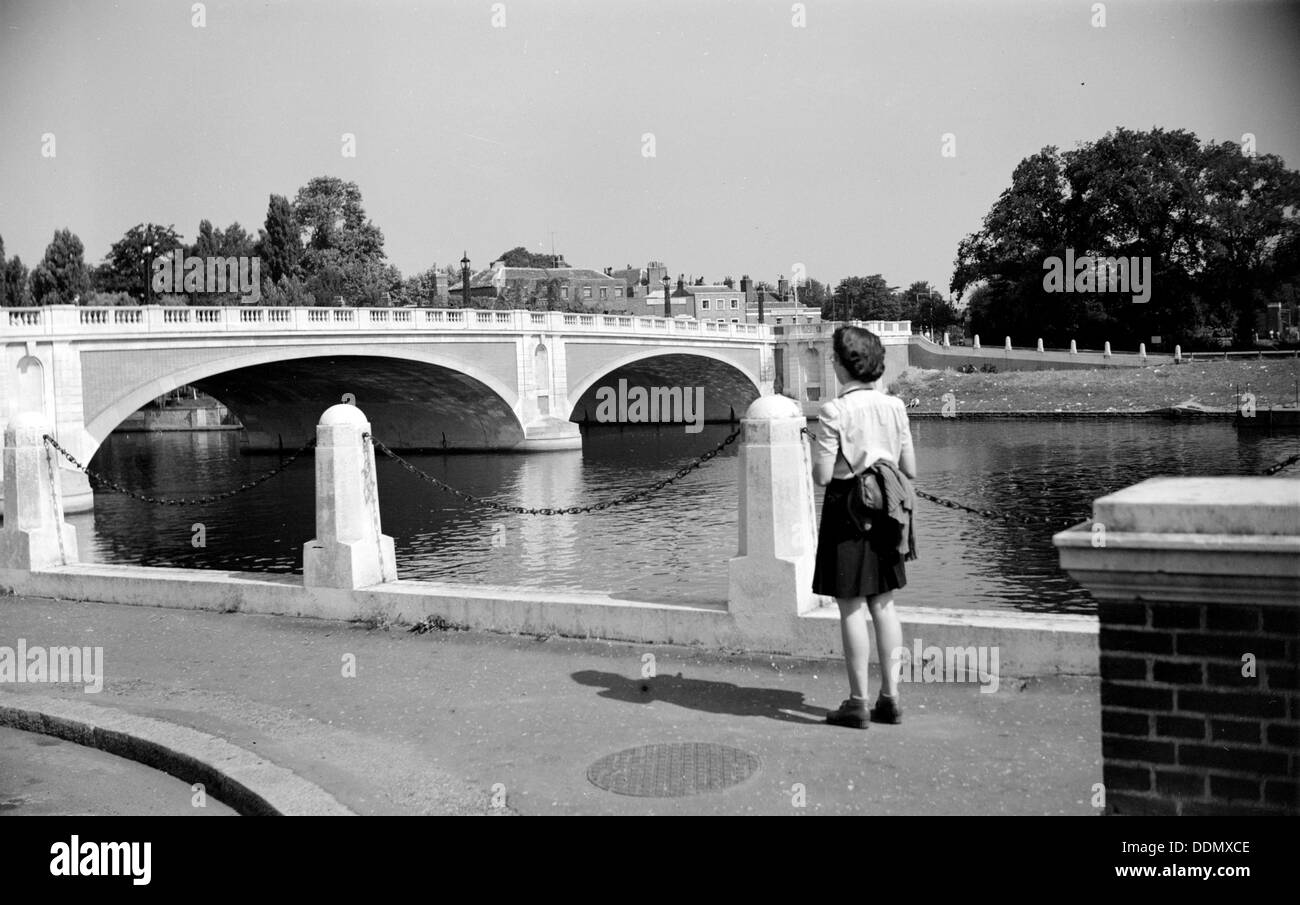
<point x="163" y="319"/>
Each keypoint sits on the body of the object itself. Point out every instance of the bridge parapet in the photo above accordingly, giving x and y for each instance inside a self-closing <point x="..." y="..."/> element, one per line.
<point x="70" y="321"/>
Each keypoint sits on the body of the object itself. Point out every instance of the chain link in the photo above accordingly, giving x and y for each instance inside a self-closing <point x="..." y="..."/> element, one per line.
<point x="99" y="481"/>
<point x="568" y="510"/>
<point x="1274" y="469"/>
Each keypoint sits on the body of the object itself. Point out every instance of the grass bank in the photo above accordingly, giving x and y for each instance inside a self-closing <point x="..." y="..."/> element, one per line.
<point x="1208" y="384"/>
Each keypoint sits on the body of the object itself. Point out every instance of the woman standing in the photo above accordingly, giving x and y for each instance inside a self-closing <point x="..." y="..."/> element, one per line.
<point x="862" y="428"/>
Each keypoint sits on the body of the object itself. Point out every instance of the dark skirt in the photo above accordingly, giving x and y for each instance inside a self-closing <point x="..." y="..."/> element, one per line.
<point x="849" y="562"/>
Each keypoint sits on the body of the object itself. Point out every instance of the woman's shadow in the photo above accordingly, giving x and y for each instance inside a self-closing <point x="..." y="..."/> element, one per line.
<point x="704" y="694"/>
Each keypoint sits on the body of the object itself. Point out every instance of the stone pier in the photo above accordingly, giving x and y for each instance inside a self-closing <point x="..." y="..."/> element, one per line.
<point x="1198" y="586"/>
<point x="34" y="535"/>
<point x="349" y="551"/>
<point x="771" y="574"/>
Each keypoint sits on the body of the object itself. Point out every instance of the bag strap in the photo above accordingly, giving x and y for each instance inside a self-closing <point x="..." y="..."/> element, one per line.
<point x="840" y="447"/>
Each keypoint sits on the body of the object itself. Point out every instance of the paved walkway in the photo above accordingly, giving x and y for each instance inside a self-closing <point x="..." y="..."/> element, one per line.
<point x="435" y="723"/>
<point x="45" y="776"/>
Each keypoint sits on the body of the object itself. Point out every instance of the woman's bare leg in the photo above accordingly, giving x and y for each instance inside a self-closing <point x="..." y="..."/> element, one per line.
<point x="889" y="638"/>
<point x="857" y="643"/>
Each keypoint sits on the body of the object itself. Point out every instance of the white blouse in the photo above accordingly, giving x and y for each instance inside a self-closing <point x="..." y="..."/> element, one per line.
<point x="868" y="425"/>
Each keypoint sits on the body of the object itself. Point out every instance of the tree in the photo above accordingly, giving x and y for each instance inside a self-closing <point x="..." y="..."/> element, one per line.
<point x="550" y="294"/>
<point x="126" y="269"/>
<point x="328" y="211"/>
<point x="289" y="292"/>
<point x="18" y="291"/>
<point x="519" y="256"/>
<point x="1253" y="229"/>
<point x="327" y="286"/>
<point x="233" y="242"/>
<point x="421" y="289"/>
<point x="280" y="241"/>
<point x="863" y="298"/>
<point x="1211" y="221"/>
<point x="813" y="294"/>
<point x="61" y="277"/>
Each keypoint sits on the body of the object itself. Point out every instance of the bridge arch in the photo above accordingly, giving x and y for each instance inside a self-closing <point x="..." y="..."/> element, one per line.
<point x="415" y="397"/>
<point x="729" y="385"/>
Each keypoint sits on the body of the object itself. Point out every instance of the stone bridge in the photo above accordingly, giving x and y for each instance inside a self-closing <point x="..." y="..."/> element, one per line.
<point x="427" y="378"/>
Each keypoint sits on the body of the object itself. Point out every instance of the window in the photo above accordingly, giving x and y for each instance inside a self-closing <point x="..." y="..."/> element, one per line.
<point x="704" y="304"/>
<point x="564" y="292"/>
<point x="618" y="292"/>
<point x="604" y="293"/>
<point x="586" y="292"/>
<point x="735" y="320"/>
<point x="733" y="305"/>
<point x="778" y="320"/>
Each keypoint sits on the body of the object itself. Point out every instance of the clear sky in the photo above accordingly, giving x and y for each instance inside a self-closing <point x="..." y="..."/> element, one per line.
<point x="774" y="144"/>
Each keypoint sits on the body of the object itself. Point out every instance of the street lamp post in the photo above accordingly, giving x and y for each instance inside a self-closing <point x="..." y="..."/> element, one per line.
<point x="464" y="279"/>
<point x="148" y="294"/>
<point x="926" y="317"/>
<point x="668" y="302"/>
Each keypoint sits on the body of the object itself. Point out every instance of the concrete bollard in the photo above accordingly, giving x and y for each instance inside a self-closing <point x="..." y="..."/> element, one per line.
<point x="1040" y="345"/>
<point x="977" y="341"/>
<point x="1074" y="348"/>
<point x="349" y="550"/>
<point x="1142" y="352"/>
<point x="770" y="578"/>
<point x="1008" y="344"/>
<point x="1106" y="349"/>
<point x="34" y="535"/>
<point x="946" y="342"/>
<point x="1178" y="355"/>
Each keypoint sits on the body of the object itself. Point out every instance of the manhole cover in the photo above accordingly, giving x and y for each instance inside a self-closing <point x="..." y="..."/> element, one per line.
<point x="671" y="771"/>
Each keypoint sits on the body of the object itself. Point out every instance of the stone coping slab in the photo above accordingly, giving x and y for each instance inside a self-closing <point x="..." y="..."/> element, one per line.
<point x="1259" y="506"/>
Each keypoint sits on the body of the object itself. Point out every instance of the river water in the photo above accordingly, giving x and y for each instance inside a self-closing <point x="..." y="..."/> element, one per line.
<point x="675" y="545"/>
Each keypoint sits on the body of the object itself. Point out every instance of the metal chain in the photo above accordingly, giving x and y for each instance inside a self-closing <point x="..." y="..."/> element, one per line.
<point x="569" y="510"/>
<point x="1274" y="469"/>
<point x="99" y="481"/>
<point x="54" y="500"/>
<point x="1009" y="517"/>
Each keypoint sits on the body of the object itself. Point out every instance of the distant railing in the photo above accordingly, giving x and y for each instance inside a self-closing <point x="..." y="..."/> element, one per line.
<point x="826" y="328"/>
<point x="72" y="321"/>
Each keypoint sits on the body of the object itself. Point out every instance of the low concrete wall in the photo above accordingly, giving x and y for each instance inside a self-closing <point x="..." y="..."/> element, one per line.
<point x="189" y="418"/>
<point x="1029" y="644"/>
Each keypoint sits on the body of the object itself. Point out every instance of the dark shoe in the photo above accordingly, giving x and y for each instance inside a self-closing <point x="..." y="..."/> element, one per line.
<point x="886" y="711"/>
<point x="852" y="713"/>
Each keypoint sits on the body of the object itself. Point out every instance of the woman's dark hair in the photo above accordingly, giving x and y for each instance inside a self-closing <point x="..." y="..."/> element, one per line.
<point x="860" y="352"/>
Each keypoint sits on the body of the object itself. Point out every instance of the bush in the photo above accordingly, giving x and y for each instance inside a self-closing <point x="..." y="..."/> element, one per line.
<point x="108" y="299"/>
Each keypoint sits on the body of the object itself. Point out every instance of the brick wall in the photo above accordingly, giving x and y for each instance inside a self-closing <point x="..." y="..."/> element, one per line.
<point x="1183" y="731"/>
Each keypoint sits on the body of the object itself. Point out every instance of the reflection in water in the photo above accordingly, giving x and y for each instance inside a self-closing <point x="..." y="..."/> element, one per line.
<point x="552" y="481"/>
<point x="674" y="545"/>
